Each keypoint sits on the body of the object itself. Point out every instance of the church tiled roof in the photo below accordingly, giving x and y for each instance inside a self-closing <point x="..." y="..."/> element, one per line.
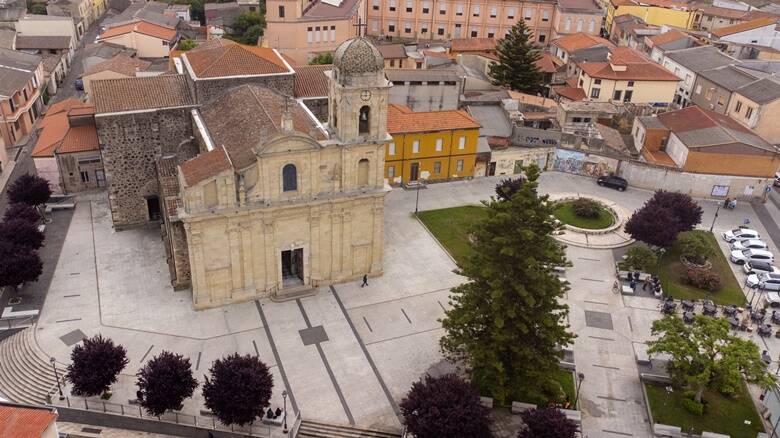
<point x="234" y="60"/>
<point x="133" y="94"/>
<point x="205" y="166"/>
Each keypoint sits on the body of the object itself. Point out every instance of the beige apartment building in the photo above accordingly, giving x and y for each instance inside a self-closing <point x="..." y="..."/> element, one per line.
<point x="302" y="29"/>
<point x="21" y="78"/>
<point x="574" y="16"/>
<point x="441" y="20"/>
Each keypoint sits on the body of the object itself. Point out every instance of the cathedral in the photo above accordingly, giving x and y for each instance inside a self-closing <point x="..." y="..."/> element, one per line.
<point x="262" y="199"/>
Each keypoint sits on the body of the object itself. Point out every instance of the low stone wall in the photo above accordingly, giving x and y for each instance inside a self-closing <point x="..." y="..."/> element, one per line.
<point x="618" y="222"/>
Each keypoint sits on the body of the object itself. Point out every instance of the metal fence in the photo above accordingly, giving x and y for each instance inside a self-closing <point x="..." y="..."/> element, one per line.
<point x="205" y="422"/>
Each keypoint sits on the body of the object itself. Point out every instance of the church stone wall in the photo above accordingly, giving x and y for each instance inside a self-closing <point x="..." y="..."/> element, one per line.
<point x="207" y="89"/>
<point x="131" y="145"/>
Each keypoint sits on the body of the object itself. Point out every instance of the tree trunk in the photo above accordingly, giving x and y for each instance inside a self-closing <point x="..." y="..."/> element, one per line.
<point x="699" y="394"/>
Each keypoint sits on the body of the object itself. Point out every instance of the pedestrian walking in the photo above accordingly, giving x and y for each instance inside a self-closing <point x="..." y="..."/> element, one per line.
<point x="647" y="283"/>
<point x="365" y="281"/>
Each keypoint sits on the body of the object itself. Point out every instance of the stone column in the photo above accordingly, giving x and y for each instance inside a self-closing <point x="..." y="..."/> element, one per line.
<point x="236" y="276"/>
<point x="314" y="252"/>
<point x="346" y="242"/>
<point x="378" y="238"/>
<point x="201" y="296"/>
<point x="271" y="274"/>
<point x="246" y="255"/>
<point x="336" y="245"/>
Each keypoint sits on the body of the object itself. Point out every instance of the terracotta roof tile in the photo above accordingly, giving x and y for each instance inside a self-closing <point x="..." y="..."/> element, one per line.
<point x="310" y="81"/>
<point x="667" y="37"/>
<point x="205" y="166"/>
<point x="637" y="67"/>
<point x="21" y="422"/>
<point x="571" y="93"/>
<point x="234" y="60"/>
<point x="144" y="27"/>
<point x="722" y="12"/>
<point x="472" y="44"/>
<point x="131" y="94"/>
<point x="81" y="138"/>
<point x="580" y="40"/>
<point x="122" y="64"/>
<point x="392" y="51"/>
<point x="545" y="63"/>
<point x="57" y="135"/>
<point x="42" y="42"/>
<point x="741" y="27"/>
<point x="401" y="119"/>
<point x="244" y="117"/>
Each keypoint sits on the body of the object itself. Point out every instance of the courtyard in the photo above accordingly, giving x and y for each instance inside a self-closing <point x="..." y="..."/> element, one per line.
<point x="346" y="355"/>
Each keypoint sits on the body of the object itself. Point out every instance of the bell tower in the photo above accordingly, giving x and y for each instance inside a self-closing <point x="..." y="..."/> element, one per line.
<point x="358" y="93"/>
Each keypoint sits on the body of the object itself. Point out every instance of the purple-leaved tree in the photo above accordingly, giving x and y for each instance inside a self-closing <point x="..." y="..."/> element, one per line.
<point x="164" y="382"/>
<point x="238" y="389"/>
<point x="95" y="365"/>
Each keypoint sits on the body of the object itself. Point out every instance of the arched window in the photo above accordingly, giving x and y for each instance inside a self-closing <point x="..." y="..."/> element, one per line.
<point x="363" y="172"/>
<point x="289" y="178"/>
<point x="365" y="114"/>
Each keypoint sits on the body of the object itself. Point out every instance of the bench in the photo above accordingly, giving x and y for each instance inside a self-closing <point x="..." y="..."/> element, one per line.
<point x="666" y="430"/>
<point x="627" y="290"/>
<point x="706" y="434"/>
<point x="274" y="421"/>
<point x="559" y="269"/>
<point x="573" y="415"/>
<point x="486" y="402"/>
<point x="518" y="407"/>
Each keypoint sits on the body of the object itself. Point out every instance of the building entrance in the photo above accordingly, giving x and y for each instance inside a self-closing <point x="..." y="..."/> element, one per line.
<point x="292" y="267"/>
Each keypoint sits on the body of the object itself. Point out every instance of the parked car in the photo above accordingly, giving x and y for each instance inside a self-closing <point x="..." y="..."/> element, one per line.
<point x="749" y="244"/>
<point x="766" y="281"/>
<point x="759" y="268"/>
<point x="749" y="255"/>
<point x="79" y="84"/>
<point x="773" y="299"/>
<point x="740" y="234"/>
<point x="615" y="182"/>
<point x="777" y="179"/>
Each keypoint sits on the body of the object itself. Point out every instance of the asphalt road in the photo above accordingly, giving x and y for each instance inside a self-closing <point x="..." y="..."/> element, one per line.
<point x="67" y="89"/>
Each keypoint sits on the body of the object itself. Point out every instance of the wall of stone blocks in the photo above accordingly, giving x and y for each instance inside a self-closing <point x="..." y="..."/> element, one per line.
<point x="132" y="144"/>
<point x="205" y="90"/>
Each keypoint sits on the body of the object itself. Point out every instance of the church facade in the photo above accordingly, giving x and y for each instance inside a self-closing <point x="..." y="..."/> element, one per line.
<point x="291" y="204"/>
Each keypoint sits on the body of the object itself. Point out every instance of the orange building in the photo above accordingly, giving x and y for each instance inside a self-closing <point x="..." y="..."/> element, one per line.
<point x="21" y="79"/>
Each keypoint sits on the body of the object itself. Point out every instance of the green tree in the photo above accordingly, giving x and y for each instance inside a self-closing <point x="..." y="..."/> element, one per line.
<point x="248" y="27"/>
<point x="186" y="44"/>
<point x="37" y="8"/>
<point x="641" y="257"/>
<point x="706" y="355"/>
<point x="507" y="323"/>
<point x="694" y="247"/>
<point x="322" y="59"/>
<point x="516" y="68"/>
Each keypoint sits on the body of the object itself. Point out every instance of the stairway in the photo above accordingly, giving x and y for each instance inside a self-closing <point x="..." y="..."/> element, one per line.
<point x="313" y="429"/>
<point x="26" y="375"/>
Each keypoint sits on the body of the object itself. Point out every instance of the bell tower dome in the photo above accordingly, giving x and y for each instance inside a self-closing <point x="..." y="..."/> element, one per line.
<point x="358" y="93"/>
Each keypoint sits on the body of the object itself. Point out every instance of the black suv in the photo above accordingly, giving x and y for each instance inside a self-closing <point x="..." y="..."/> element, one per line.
<point x="615" y="182"/>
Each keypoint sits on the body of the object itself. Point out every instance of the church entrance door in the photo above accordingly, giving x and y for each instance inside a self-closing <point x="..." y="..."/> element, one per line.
<point x="292" y="267"/>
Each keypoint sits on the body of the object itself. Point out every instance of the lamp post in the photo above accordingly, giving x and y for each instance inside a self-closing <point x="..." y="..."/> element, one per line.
<point x="417" y="200"/>
<point x="284" y="397"/>
<point x="715" y="217"/>
<point x="53" y="361"/>
<point x="580" y="378"/>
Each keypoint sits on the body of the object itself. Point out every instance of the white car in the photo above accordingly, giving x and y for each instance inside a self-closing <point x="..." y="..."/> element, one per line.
<point x="773" y="299"/>
<point x="764" y="281"/>
<point x="751" y="255"/>
<point x="749" y="244"/>
<point x="740" y="234"/>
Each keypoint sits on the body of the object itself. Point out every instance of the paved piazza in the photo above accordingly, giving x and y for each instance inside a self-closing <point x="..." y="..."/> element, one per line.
<point x="347" y="354"/>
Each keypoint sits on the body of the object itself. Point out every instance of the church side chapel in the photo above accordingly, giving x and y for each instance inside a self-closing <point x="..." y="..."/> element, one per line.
<point x="277" y="203"/>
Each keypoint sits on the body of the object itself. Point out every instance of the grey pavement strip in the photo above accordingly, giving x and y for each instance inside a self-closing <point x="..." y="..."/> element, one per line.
<point x="630" y="326"/>
<point x="71" y="296"/>
<point x="367" y="324"/>
<point x="607" y="367"/>
<point x="68" y="320"/>
<point x="197" y="364"/>
<point x="73" y="337"/>
<point x="766" y="218"/>
<point x="75" y="273"/>
<point x="616" y="432"/>
<point x="441" y="305"/>
<point x="405" y="315"/>
<point x="147" y="353"/>
<point x="275" y="352"/>
<point x="325" y="362"/>
<point x="370" y="360"/>
<point x="596" y="302"/>
<point x="592" y="279"/>
<point x="257" y="352"/>
<point x="393" y="300"/>
<point x="603" y="339"/>
<point x="589" y="259"/>
<point x="606" y="397"/>
<point x="405" y="336"/>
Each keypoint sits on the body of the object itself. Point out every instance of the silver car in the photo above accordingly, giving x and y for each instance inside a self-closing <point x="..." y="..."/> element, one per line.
<point x="749" y="244"/>
<point x="769" y="281"/>
<point x="740" y="234"/>
<point x="751" y="255"/>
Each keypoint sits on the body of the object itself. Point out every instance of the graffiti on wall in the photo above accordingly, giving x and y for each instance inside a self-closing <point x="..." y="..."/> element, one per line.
<point x="581" y="163"/>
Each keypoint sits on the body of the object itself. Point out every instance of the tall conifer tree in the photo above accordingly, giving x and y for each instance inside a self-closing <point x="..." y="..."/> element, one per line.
<point x="516" y="68"/>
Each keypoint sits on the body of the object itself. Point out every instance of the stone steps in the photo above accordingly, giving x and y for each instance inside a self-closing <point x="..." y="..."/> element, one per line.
<point x="314" y="429"/>
<point x="26" y="375"/>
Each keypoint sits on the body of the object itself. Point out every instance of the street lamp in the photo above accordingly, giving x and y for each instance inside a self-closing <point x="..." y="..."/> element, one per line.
<point x="715" y="217"/>
<point x="417" y="200"/>
<point x="580" y="378"/>
<point x="53" y="361"/>
<point x="284" y="396"/>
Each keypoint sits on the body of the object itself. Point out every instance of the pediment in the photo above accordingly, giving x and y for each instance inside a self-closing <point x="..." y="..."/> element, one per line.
<point x="287" y="143"/>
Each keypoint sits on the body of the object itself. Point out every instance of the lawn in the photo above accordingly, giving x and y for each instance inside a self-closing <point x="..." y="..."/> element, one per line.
<point x="450" y="227"/>
<point x="670" y="271"/>
<point x="564" y="212"/>
<point x="565" y="378"/>
<point x="723" y="414"/>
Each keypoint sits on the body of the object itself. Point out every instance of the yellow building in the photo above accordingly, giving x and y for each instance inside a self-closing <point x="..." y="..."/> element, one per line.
<point x="430" y="146"/>
<point x="654" y="12"/>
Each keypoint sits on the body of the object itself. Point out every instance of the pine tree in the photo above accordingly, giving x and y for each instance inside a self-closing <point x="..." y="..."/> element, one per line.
<point x="506" y="323"/>
<point x="516" y="68"/>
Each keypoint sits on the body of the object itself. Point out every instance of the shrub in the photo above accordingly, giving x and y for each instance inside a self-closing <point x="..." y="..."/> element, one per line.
<point x="186" y="44"/>
<point x="547" y="422"/>
<point x="694" y="247"/>
<point x="702" y="278"/>
<point x="586" y="208"/>
<point x="641" y="257"/>
<point x="693" y="406"/>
